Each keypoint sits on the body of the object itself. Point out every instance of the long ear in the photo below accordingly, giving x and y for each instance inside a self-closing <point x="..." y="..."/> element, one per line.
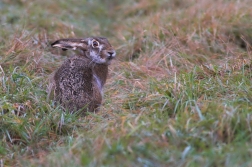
<point x="73" y="44"/>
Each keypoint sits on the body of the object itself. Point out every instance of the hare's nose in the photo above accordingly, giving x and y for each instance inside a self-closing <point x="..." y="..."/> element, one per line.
<point x="111" y="54"/>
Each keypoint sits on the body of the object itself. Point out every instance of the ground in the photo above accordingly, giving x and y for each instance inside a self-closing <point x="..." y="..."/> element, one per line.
<point x="178" y="93"/>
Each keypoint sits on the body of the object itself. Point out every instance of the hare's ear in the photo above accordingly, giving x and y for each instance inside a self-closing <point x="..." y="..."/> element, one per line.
<point x="73" y="44"/>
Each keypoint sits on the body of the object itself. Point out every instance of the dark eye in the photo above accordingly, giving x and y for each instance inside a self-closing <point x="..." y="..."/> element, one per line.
<point x="95" y="44"/>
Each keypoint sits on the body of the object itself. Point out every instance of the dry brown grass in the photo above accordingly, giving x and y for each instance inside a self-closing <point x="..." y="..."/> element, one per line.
<point x="178" y="94"/>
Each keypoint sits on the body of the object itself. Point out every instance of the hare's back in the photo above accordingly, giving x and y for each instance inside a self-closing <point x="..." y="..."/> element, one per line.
<point x="73" y="79"/>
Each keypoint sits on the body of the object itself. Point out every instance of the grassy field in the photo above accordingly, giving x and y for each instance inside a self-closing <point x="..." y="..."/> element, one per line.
<point x="179" y="92"/>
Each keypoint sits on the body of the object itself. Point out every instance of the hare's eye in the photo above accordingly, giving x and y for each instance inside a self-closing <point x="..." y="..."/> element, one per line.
<point x="95" y="43"/>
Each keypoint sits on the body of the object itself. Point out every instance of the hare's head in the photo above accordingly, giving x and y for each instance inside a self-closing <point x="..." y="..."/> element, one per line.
<point x="98" y="49"/>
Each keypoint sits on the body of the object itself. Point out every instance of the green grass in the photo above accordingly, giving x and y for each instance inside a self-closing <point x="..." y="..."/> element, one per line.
<point x="178" y="93"/>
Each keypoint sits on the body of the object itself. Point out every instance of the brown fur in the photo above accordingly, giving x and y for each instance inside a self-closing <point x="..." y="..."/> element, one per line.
<point x="78" y="83"/>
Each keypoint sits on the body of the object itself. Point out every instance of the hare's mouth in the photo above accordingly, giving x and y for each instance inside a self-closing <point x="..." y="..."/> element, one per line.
<point x="110" y="58"/>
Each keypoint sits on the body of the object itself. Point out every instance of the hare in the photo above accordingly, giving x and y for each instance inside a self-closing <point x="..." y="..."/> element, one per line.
<point x="78" y="83"/>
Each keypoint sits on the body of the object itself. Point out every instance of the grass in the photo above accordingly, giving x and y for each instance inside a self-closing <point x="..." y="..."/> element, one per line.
<point x="178" y="94"/>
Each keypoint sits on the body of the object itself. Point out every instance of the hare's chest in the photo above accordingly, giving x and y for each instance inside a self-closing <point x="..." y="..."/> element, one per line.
<point x="97" y="90"/>
<point x="97" y="82"/>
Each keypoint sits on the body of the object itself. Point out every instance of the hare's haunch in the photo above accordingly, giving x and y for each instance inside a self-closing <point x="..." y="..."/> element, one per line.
<point x="78" y="83"/>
